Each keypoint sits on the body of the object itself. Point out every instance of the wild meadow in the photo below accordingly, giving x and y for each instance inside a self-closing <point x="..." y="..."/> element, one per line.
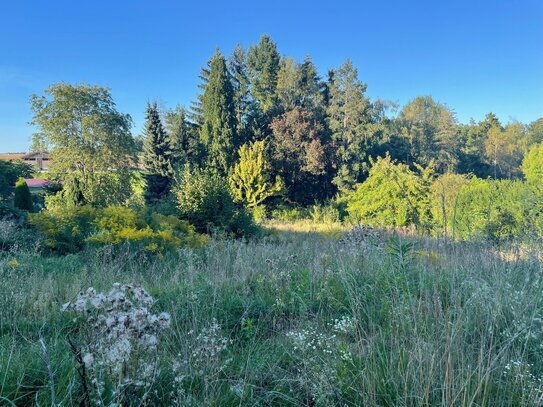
<point x="285" y="241"/>
<point x="292" y="318"/>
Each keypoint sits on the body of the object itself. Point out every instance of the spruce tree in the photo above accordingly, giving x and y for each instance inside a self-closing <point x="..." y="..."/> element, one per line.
<point x="240" y="85"/>
<point x="197" y="109"/>
<point x="157" y="156"/>
<point x="263" y="67"/>
<point x="350" y="122"/>
<point x="218" y="131"/>
<point x="183" y="138"/>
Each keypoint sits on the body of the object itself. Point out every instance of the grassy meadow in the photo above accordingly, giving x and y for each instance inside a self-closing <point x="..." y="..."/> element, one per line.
<point x="299" y="317"/>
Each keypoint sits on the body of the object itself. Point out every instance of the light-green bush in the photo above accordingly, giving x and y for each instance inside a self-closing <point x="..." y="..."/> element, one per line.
<point x="205" y="201"/>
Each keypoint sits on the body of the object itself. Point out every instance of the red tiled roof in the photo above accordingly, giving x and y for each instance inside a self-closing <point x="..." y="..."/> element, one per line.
<point x="12" y="156"/>
<point x="36" y="182"/>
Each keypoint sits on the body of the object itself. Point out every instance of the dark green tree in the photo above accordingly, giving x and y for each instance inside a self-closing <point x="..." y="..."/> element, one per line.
<point x="240" y="83"/>
<point x="157" y="157"/>
<point x="183" y="138"/>
<point x="349" y="115"/>
<point x="10" y="172"/>
<point x="218" y="131"/>
<point x="196" y="108"/>
<point x="263" y="67"/>
<point x="23" y="198"/>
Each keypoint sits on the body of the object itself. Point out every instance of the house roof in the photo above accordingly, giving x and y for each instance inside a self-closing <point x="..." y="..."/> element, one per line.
<point x="12" y="156"/>
<point x="36" y="182"/>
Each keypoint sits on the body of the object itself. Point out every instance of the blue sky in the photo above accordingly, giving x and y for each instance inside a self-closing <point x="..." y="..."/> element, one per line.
<point x="475" y="56"/>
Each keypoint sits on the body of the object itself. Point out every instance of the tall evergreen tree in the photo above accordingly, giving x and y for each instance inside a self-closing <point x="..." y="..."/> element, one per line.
<point x="311" y="87"/>
<point x="240" y="84"/>
<point x="263" y="67"/>
<point x="349" y="114"/>
<point x="157" y="156"/>
<point x="218" y="131"/>
<point x="183" y="138"/>
<point x="196" y="108"/>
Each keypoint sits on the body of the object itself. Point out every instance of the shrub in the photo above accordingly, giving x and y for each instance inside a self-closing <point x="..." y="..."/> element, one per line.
<point x="64" y="229"/>
<point x="392" y="196"/>
<point x="22" y="199"/>
<point x="326" y="213"/>
<point x="286" y="213"/>
<point x="205" y="201"/>
<point x="69" y="230"/>
<point x="250" y="181"/>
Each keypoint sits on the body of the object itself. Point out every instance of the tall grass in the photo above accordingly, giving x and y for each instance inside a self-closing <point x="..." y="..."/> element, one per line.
<point x="304" y="319"/>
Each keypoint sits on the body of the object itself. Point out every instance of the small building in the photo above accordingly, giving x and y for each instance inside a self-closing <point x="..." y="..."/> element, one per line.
<point x="39" y="160"/>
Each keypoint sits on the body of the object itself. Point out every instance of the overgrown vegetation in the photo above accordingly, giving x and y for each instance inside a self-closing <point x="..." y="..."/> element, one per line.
<point x="213" y="260"/>
<point x="293" y="319"/>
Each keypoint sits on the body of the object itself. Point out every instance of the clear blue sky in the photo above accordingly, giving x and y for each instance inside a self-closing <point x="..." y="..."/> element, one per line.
<point x="476" y="56"/>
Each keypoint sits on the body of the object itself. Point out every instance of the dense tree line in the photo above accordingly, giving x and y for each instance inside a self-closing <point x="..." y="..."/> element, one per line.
<point x="269" y="129"/>
<point x="320" y="134"/>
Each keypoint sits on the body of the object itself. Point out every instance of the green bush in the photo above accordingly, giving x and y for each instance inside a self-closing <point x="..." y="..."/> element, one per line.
<point x="65" y="229"/>
<point x="392" y="196"/>
<point x="205" y="201"/>
<point x="327" y="213"/>
<point x="22" y="199"/>
<point x="71" y="229"/>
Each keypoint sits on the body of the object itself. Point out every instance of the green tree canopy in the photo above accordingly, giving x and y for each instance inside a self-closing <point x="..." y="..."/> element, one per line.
<point x="532" y="165"/>
<point x="92" y="148"/>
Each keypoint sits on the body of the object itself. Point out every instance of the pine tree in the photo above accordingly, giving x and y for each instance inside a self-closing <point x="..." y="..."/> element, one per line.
<point x="218" y="131"/>
<point x="197" y="110"/>
<point x="157" y="156"/>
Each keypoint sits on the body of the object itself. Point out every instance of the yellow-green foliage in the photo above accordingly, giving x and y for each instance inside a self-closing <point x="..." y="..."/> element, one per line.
<point x="532" y="165"/>
<point x="70" y="229"/>
<point x="250" y="180"/>
<point x="392" y="196"/>
<point x="64" y="230"/>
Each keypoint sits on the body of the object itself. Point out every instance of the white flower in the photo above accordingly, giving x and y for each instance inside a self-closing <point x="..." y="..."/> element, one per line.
<point x="88" y="360"/>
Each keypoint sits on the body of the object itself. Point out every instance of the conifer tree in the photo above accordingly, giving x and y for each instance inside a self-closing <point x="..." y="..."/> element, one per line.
<point x="240" y="84"/>
<point x="350" y="121"/>
<point x="22" y="198"/>
<point x="183" y="138"/>
<point x="157" y="156"/>
<point x="218" y="131"/>
<point x="250" y="181"/>
<point x="263" y="67"/>
<point x="197" y="112"/>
